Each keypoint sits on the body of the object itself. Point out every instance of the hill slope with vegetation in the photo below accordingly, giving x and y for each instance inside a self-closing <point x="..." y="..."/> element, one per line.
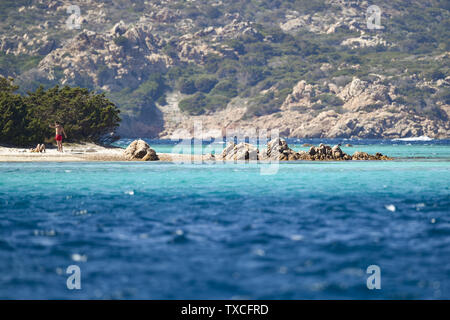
<point x="308" y="68"/>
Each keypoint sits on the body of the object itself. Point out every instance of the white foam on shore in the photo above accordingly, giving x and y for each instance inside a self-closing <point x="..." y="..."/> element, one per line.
<point x="421" y="138"/>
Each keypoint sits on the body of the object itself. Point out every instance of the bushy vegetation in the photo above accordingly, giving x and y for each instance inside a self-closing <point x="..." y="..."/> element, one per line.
<point x="267" y="103"/>
<point x="11" y="65"/>
<point x="201" y="103"/>
<point x="271" y="58"/>
<point x="194" y="105"/>
<point x="205" y="83"/>
<point x="326" y="100"/>
<point x="141" y="101"/>
<point x="225" y="88"/>
<point x="25" y="120"/>
<point x="121" y="41"/>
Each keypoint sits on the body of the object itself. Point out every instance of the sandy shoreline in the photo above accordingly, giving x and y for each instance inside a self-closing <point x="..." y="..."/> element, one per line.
<point x="82" y="152"/>
<point x="72" y="152"/>
<point x="90" y="152"/>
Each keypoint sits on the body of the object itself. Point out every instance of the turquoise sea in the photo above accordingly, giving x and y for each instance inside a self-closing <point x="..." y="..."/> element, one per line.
<point x="225" y="231"/>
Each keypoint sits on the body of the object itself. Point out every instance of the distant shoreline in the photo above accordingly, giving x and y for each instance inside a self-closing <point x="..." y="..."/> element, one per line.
<point x="86" y="152"/>
<point x="72" y="152"/>
<point x="90" y="152"/>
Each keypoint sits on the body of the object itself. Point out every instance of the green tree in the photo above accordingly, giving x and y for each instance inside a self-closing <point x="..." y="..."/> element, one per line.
<point x="225" y="88"/>
<point x="194" y="105"/>
<point x="187" y="85"/>
<point x="85" y="115"/>
<point x="6" y="85"/>
<point x="205" y="83"/>
<point x="13" y="122"/>
<point x="24" y="120"/>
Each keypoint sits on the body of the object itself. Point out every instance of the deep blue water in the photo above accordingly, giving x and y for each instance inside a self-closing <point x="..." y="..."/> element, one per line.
<point x="202" y="231"/>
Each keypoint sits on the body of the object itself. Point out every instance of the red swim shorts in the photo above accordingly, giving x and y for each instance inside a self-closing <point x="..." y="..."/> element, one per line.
<point x="58" y="137"/>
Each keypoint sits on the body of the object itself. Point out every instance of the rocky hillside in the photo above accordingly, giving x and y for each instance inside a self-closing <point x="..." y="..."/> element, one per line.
<point x="308" y="68"/>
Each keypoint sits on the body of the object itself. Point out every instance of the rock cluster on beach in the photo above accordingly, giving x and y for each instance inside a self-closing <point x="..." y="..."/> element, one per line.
<point x="324" y="152"/>
<point x="140" y="150"/>
<point x="241" y="151"/>
<point x="278" y="149"/>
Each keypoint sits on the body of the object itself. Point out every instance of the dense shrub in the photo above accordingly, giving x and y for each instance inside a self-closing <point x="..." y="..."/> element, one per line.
<point x="216" y="102"/>
<point x="225" y="88"/>
<point x="212" y="62"/>
<point x="153" y="88"/>
<point x="200" y="103"/>
<point x="205" y="83"/>
<point x="228" y="69"/>
<point x="186" y="85"/>
<point x="13" y="121"/>
<point x="213" y="12"/>
<point x="434" y="112"/>
<point x="162" y="100"/>
<point x="24" y="120"/>
<point x="262" y="105"/>
<point x="121" y="41"/>
<point x="194" y="105"/>
<point x="11" y="64"/>
<point x="435" y="74"/>
<point x="104" y="74"/>
<point x="237" y="45"/>
<point x="252" y="75"/>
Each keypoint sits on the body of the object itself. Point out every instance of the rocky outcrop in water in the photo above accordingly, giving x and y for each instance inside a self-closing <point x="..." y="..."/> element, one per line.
<point x="140" y="150"/>
<point x="325" y="152"/>
<point x="278" y="150"/>
<point x="358" y="155"/>
<point x="240" y="151"/>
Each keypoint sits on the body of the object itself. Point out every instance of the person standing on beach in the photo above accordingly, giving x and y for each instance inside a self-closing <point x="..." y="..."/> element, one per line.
<point x="58" y="137"/>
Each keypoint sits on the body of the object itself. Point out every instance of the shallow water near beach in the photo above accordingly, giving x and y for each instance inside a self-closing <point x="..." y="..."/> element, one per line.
<point x="404" y="150"/>
<point x="203" y="231"/>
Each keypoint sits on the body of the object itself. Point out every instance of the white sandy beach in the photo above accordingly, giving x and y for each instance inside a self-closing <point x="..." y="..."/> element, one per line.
<point x="80" y="152"/>
<point x="72" y="152"/>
